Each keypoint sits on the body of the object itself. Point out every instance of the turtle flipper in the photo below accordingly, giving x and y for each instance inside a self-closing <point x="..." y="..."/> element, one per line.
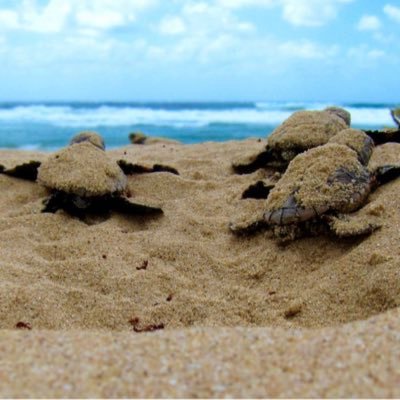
<point x="259" y="190"/>
<point x="396" y="116"/>
<point x="125" y="205"/>
<point x="27" y="170"/>
<point x="74" y="205"/>
<point x="52" y="204"/>
<point x="250" y="164"/>
<point x="247" y="227"/>
<point x="384" y="136"/>
<point x="350" y="225"/>
<point x="130" y="168"/>
<point x="387" y="173"/>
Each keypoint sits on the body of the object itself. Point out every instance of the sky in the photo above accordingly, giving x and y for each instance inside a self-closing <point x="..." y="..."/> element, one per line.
<point x="208" y="50"/>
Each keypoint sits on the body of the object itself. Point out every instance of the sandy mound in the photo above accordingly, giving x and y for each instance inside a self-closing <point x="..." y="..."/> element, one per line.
<point x="98" y="283"/>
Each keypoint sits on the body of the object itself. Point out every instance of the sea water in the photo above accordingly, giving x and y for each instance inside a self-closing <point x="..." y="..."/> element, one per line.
<point x="50" y="125"/>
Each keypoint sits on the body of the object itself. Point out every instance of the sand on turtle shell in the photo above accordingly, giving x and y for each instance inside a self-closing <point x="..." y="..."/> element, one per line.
<point x="82" y="169"/>
<point x="306" y="129"/>
<point x="309" y="179"/>
<point x="357" y="140"/>
<point x="231" y="316"/>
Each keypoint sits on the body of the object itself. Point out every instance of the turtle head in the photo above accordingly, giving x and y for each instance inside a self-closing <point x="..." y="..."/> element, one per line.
<point x="341" y="113"/>
<point x="358" y="141"/>
<point x="137" y="138"/>
<point x="87" y="136"/>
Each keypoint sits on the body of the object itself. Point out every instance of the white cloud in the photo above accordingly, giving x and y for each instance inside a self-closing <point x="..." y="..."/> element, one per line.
<point x="50" y="19"/>
<point x="8" y="19"/>
<point x="172" y="25"/>
<point x="363" y="54"/>
<point x="392" y="12"/>
<point x="55" y="15"/>
<point x="307" y="50"/>
<point x="369" y="23"/>
<point x="246" y="3"/>
<point x="310" y="12"/>
<point x="100" y="19"/>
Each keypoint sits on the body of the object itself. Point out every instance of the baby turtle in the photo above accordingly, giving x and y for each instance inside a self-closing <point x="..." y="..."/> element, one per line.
<point x="82" y="178"/>
<point x="301" y="131"/>
<point x="24" y="167"/>
<point x="320" y="190"/>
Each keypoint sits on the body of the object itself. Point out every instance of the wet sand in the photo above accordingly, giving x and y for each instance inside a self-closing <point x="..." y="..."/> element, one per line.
<point x="232" y="316"/>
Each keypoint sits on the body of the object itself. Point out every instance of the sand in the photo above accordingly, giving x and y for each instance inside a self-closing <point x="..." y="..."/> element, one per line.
<point x="176" y="305"/>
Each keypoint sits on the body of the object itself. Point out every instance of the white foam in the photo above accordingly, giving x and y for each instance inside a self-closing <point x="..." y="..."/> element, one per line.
<point x="264" y="114"/>
<point x="117" y="116"/>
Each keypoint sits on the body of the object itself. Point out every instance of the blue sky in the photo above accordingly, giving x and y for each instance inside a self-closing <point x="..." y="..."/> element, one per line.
<point x="300" y="50"/>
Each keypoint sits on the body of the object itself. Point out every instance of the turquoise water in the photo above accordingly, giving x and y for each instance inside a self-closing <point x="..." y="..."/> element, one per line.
<point x="48" y="126"/>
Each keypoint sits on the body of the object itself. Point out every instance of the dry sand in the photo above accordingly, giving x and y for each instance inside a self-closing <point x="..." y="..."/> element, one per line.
<point x="241" y="316"/>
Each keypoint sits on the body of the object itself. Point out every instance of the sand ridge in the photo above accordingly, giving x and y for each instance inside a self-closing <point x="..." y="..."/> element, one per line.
<point x="78" y="284"/>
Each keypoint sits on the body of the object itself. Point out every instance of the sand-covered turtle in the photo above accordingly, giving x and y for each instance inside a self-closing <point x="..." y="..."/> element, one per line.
<point x="321" y="190"/>
<point x="25" y="165"/>
<point x="82" y="178"/>
<point x="303" y="130"/>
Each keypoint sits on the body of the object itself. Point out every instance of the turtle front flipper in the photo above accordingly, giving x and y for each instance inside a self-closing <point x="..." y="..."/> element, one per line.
<point x="248" y="227"/>
<point x="384" y="136"/>
<point x="259" y="190"/>
<point x="396" y="116"/>
<point x="126" y="205"/>
<point x="27" y="170"/>
<point x="348" y="225"/>
<point x="131" y="168"/>
<point x="387" y="173"/>
<point x="74" y="205"/>
<point x="249" y="164"/>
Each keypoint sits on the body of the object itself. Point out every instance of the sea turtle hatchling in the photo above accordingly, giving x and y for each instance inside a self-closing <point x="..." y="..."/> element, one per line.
<point x="303" y="130"/>
<point x="25" y="166"/>
<point x="320" y="190"/>
<point x="82" y="178"/>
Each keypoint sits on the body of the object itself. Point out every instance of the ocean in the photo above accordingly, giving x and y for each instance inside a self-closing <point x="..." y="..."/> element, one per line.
<point x="49" y="126"/>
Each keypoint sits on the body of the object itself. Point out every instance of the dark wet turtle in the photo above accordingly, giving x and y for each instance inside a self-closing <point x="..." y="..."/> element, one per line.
<point x="303" y="130"/>
<point x="320" y="190"/>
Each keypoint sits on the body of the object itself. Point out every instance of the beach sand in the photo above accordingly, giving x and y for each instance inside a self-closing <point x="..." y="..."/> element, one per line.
<point x="230" y="316"/>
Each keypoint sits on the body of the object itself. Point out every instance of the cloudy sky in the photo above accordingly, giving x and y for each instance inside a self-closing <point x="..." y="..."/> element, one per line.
<point x="315" y="50"/>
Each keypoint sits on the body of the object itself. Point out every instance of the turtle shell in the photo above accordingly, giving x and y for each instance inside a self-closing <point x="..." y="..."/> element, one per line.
<point x="325" y="178"/>
<point x="82" y="169"/>
<point x="89" y="136"/>
<point x="304" y="130"/>
<point x="358" y="141"/>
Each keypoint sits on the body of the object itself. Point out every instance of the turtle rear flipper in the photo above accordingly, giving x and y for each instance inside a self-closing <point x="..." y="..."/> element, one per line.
<point x="126" y="205"/>
<point x="131" y="168"/>
<point x="348" y="225"/>
<point x="387" y="173"/>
